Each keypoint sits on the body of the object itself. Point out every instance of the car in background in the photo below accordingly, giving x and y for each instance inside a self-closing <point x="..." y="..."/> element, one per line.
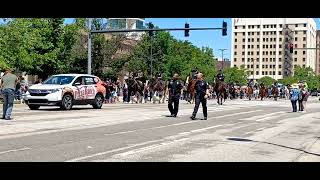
<point x="66" y="90"/>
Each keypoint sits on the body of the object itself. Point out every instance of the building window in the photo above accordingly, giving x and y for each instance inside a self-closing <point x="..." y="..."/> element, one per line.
<point x="274" y="66"/>
<point x="296" y="25"/>
<point x="263" y="53"/>
<point x="280" y="32"/>
<point x="248" y="46"/>
<point x="270" y="52"/>
<point x="235" y="46"/>
<point x="235" y="32"/>
<point x="257" y="66"/>
<point x="304" y="59"/>
<point x="262" y="59"/>
<point x="262" y="66"/>
<point x="270" y="39"/>
<point x="249" y="33"/>
<point x="264" y="39"/>
<point x="243" y="40"/>
<point x="296" y="32"/>
<point x="235" y="40"/>
<point x="248" y="52"/>
<point x="279" y="59"/>
<point x="274" y="46"/>
<point x="243" y="27"/>
<point x="235" y="53"/>
<point x="267" y="46"/>
<point x="296" y="45"/>
<point x="280" y="39"/>
<point x="258" y="46"/>
<point x="251" y="66"/>
<point x="279" y="66"/>
<point x="304" y="66"/>
<point x="234" y="65"/>
<point x="257" y="72"/>
<point x="274" y="39"/>
<point x="280" y="52"/>
<point x="262" y="72"/>
<point x="295" y="66"/>
<point x="248" y="66"/>
<point x="295" y="59"/>
<point x="258" y="33"/>
<point x="303" y="52"/>
<point x="235" y="59"/>
<point x="267" y="59"/>
<point x="267" y="39"/>
<point x="242" y="52"/>
<point x="280" y="25"/>
<point x="295" y="52"/>
<point x="252" y="40"/>
<point x="263" y="46"/>
<point x="304" y="38"/>
<point x="243" y="33"/>
<point x="267" y="33"/>
<point x="304" y="32"/>
<point x="248" y="39"/>
<point x="296" y="38"/>
<point x="251" y="52"/>
<point x="257" y="59"/>
<point x="243" y="46"/>
<point x="279" y="73"/>
<point x="274" y="73"/>
<point x="304" y="45"/>
<point x="305" y="25"/>
<point x="252" y="46"/>
<point x="280" y="46"/>
<point x="242" y="59"/>
<point x="257" y="52"/>
<point x="270" y="66"/>
<point x="258" y="26"/>
<point x="236" y="27"/>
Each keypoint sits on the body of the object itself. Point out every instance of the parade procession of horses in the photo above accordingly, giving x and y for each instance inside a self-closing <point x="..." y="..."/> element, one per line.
<point x="137" y="89"/>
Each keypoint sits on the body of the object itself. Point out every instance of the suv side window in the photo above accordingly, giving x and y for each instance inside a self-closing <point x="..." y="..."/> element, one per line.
<point x="79" y="80"/>
<point x="89" y="81"/>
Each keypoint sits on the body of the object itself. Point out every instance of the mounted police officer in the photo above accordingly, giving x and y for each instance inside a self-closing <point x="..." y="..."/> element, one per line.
<point x="174" y="88"/>
<point x="220" y="76"/>
<point x="202" y="93"/>
<point x="250" y="83"/>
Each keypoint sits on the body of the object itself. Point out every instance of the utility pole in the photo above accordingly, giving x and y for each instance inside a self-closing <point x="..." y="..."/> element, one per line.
<point x="151" y="58"/>
<point x="222" y="50"/>
<point x="89" y="46"/>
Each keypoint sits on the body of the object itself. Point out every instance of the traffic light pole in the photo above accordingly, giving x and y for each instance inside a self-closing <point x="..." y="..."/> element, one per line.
<point x="222" y="50"/>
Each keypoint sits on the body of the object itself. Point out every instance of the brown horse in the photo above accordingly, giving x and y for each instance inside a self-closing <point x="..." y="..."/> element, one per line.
<point x="263" y="92"/>
<point x="135" y="89"/>
<point x="191" y="89"/>
<point x="157" y="87"/>
<point x="275" y="92"/>
<point x="249" y="92"/>
<point x="221" y="92"/>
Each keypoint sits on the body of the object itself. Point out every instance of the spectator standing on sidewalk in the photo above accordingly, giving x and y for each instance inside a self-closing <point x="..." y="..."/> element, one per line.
<point x="294" y="96"/>
<point x="8" y="86"/>
<point x="305" y="95"/>
<point x="300" y="98"/>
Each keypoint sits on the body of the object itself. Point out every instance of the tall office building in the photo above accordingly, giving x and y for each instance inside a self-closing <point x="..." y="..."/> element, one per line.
<point x="262" y="45"/>
<point x="318" y="54"/>
<point x="127" y="23"/>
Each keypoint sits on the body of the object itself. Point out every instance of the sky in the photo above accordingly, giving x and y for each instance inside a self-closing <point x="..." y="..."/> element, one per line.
<point x="210" y="38"/>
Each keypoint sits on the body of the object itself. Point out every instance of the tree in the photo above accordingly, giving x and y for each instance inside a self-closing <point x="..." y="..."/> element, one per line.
<point x="287" y="80"/>
<point x="266" y="80"/>
<point x="302" y="74"/>
<point x="236" y="75"/>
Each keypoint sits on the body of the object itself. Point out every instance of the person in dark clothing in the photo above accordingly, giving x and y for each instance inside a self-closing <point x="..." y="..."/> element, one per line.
<point x="174" y="88"/>
<point x="202" y="93"/>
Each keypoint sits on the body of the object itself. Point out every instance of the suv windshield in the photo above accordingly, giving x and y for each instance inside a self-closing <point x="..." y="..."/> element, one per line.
<point x="61" y="80"/>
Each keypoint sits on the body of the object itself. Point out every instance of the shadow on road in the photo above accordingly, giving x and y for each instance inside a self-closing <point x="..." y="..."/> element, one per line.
<point x="297" y="149"/>
<point x="58" y="109"/>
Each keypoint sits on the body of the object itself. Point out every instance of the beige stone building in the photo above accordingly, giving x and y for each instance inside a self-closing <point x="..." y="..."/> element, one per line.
<point x="259" y="44"/>
<point x="318" y="54"/>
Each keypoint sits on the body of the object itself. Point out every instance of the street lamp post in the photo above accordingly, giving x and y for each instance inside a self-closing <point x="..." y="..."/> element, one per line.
<point x="89" y="46"/>
<point x="222" y="50"/>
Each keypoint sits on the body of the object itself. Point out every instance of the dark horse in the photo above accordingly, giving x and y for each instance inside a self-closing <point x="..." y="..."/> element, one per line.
<point x="263" y="92"/>
<point x="192" y="79"/>
<point x="275" y="92"/>
<point x="157" y="87"/>
<point x="232" y="91"/>
<point x="221" y="91"/>
<point x="135" y="88"/>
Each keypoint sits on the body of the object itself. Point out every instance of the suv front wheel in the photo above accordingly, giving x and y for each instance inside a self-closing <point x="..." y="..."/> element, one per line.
<point x="98" y="101"/>
<point x="66" y="103"/>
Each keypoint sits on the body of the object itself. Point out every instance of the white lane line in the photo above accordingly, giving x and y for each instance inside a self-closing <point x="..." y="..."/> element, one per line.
<point x="150" y="147"/>
<point x="111" y="151"/>
<point x="125" y="132"/>
<point x="270" y="117"/>
<point x="204" y="129"/>
<point x="15" y="150"/>
<point x="260" y="129"/>
<point x="261" y="116"/>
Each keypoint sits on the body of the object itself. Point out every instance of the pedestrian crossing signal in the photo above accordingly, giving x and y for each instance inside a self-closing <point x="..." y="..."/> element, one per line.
<point x="291" y="48"/>
<point x="224" y="28"/>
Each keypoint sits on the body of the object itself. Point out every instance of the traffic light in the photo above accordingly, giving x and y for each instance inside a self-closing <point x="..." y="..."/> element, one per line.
<point x="150" y="26"/>
<point x="291" y="48"/>
<point x="186" y="32"/>
<point x="224" y="28"/>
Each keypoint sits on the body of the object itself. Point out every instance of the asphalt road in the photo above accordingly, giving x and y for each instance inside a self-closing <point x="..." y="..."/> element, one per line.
<point x="239" y="130"/>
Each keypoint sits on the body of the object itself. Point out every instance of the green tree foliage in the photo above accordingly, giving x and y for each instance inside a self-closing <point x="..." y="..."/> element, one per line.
<point x="266" y="80"/>
<point x="236" y="75"/>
